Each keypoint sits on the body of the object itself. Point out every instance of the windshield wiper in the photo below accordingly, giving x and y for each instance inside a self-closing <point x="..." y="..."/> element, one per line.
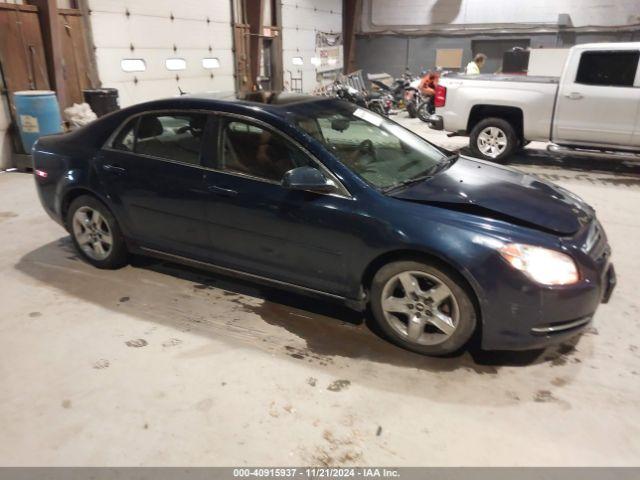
<point x="441" y="165"/>
<point x="406" y="182"/>
<point x="444" y="163"/>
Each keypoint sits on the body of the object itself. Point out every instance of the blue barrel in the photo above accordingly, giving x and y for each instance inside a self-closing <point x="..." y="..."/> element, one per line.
<point x="38" y="114"/>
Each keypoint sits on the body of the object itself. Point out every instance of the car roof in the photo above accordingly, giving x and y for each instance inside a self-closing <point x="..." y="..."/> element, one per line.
<point x="277" y="103"/>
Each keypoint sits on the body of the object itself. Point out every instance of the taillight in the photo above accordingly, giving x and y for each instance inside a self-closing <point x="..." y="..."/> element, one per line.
<point x="41" y="173"/>
<point x="441" y="96"/>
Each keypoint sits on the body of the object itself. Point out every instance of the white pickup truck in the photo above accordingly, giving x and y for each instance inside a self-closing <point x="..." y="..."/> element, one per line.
<point x="592" y="109"/>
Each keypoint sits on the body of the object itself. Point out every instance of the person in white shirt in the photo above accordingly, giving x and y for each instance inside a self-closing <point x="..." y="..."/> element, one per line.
<point x="473" y="67"/>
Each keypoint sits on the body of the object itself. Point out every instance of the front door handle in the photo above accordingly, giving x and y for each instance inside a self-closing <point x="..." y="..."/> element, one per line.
<point x="574" y="96"/>
<point x="114" y="169"/>
<point x="223" y="192"/>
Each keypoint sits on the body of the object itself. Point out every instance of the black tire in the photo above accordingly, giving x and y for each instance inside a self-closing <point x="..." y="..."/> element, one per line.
<point x="425" y="111"/>
<point x="508" y="131"/>
<point x="117" y="255"/>
<point x="377" y="108"/>
<point x="466" y="312"/>
<point x="412" y="110"/>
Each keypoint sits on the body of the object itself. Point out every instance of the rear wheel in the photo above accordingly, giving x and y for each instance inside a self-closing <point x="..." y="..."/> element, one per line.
<point x="422" y="308"/>
<point x="96" y="234"/>
<point x="376" y="107"/>
<point x="411" y="109"/>
<point x="493" y="139"/>
<point x="425" y="110"/>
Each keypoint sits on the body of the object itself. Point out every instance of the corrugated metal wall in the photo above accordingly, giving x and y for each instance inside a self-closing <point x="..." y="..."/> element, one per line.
<point x="405" y="15"/>
<point x="407" y="33"/>
<point x="394" y="53"/>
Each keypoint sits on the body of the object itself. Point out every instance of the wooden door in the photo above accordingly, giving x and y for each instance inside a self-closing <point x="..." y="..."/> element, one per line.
<point x="22" y="57"/>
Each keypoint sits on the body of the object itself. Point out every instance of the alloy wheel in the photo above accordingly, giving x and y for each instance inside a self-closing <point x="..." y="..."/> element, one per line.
<point x="92" y="233"/>
<point x="420" y="308"/>
<point x="492" y="141"/>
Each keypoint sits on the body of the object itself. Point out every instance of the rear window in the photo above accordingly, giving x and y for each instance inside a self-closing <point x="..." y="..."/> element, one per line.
<point x="609" y="68"/>
<point x="175" y="137"/>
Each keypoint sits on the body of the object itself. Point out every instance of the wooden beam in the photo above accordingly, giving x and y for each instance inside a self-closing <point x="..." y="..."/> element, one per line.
<point x="253" y="14"/>
<point x="351" y="12"/>
<point x="277" y="73"/>
<point x="49" y="24"/>
<point x="83" y="7"/>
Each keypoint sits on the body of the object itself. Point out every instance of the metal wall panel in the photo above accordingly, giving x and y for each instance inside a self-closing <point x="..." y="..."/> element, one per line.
<point x="422" y="14"/>
<point x="393" y="53"/>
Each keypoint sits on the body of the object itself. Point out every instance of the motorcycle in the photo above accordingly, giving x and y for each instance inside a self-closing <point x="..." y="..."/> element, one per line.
<point x="412" y="98"/>
<point x="375" y="101"/>
<point x="395" y="92"/>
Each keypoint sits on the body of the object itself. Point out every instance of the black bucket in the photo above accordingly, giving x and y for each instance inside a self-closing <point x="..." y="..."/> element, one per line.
<point x="102" y="100"/>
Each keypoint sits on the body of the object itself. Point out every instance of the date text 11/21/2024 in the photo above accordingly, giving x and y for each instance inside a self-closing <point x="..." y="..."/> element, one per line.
<point x="316" y="472"/>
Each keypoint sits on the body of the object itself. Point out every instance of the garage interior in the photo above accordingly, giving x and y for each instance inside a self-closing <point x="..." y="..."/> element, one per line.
<point x="158" y="364"/>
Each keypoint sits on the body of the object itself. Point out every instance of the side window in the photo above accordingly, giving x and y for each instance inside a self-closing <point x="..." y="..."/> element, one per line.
<point x="172" y="136"/>
<point x="125" y="139"/>
<point x="255" y="151"/>
<point x="613" y="69"/>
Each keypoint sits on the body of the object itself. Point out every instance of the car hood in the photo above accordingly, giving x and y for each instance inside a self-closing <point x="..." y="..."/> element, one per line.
<point x="489" y="190"/>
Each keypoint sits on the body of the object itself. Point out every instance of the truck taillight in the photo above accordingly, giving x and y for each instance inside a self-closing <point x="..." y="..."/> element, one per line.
<point x="441" y="96"/>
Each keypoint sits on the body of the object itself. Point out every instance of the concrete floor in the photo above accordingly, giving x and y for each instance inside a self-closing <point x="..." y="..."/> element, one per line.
<point x="156" y="364"/>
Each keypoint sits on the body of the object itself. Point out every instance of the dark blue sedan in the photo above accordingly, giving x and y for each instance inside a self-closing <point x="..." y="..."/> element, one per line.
<point x="327" y="198"/>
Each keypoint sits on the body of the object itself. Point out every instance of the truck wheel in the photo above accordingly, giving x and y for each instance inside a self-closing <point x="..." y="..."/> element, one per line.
<point x="493" y="139"/>
<point x="422" y="308"/>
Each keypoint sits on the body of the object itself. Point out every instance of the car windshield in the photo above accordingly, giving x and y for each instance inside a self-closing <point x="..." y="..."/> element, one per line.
<point x="382" y="152"/>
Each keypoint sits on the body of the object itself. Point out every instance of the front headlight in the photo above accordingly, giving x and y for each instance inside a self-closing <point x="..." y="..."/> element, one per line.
<point x="542" y="265"/>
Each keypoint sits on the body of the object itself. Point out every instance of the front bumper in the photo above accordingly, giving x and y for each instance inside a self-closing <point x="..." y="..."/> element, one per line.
<point x="522" y="315"/>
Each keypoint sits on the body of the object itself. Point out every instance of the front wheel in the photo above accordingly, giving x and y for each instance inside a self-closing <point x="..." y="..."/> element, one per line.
<point x="493" y="139"/>
<point x="422" y="308"/>
<point x="96" y="234"/>
<point x="376" y="107"/>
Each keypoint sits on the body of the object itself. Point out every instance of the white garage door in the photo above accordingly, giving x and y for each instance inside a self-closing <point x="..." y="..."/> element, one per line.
<point x="170" y="39"/>
<point x="301" y="19"/>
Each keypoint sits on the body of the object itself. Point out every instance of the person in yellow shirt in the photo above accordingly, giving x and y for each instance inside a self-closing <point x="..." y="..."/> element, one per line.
<point x="473" y="67"/>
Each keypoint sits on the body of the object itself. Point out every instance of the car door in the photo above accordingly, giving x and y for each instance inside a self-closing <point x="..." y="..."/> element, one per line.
<point x="598" y="99"/>
<point x="152" y="170"/>
<point x="259" y="227"/>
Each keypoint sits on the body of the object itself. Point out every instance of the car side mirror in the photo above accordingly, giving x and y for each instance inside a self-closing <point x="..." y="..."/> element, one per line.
<point x="309" y="179"/>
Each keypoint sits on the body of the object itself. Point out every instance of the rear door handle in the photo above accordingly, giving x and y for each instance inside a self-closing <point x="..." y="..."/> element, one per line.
<point x="574" y="96"/>
<point x="223" y="192"/>
<point x="114" y="169"/>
